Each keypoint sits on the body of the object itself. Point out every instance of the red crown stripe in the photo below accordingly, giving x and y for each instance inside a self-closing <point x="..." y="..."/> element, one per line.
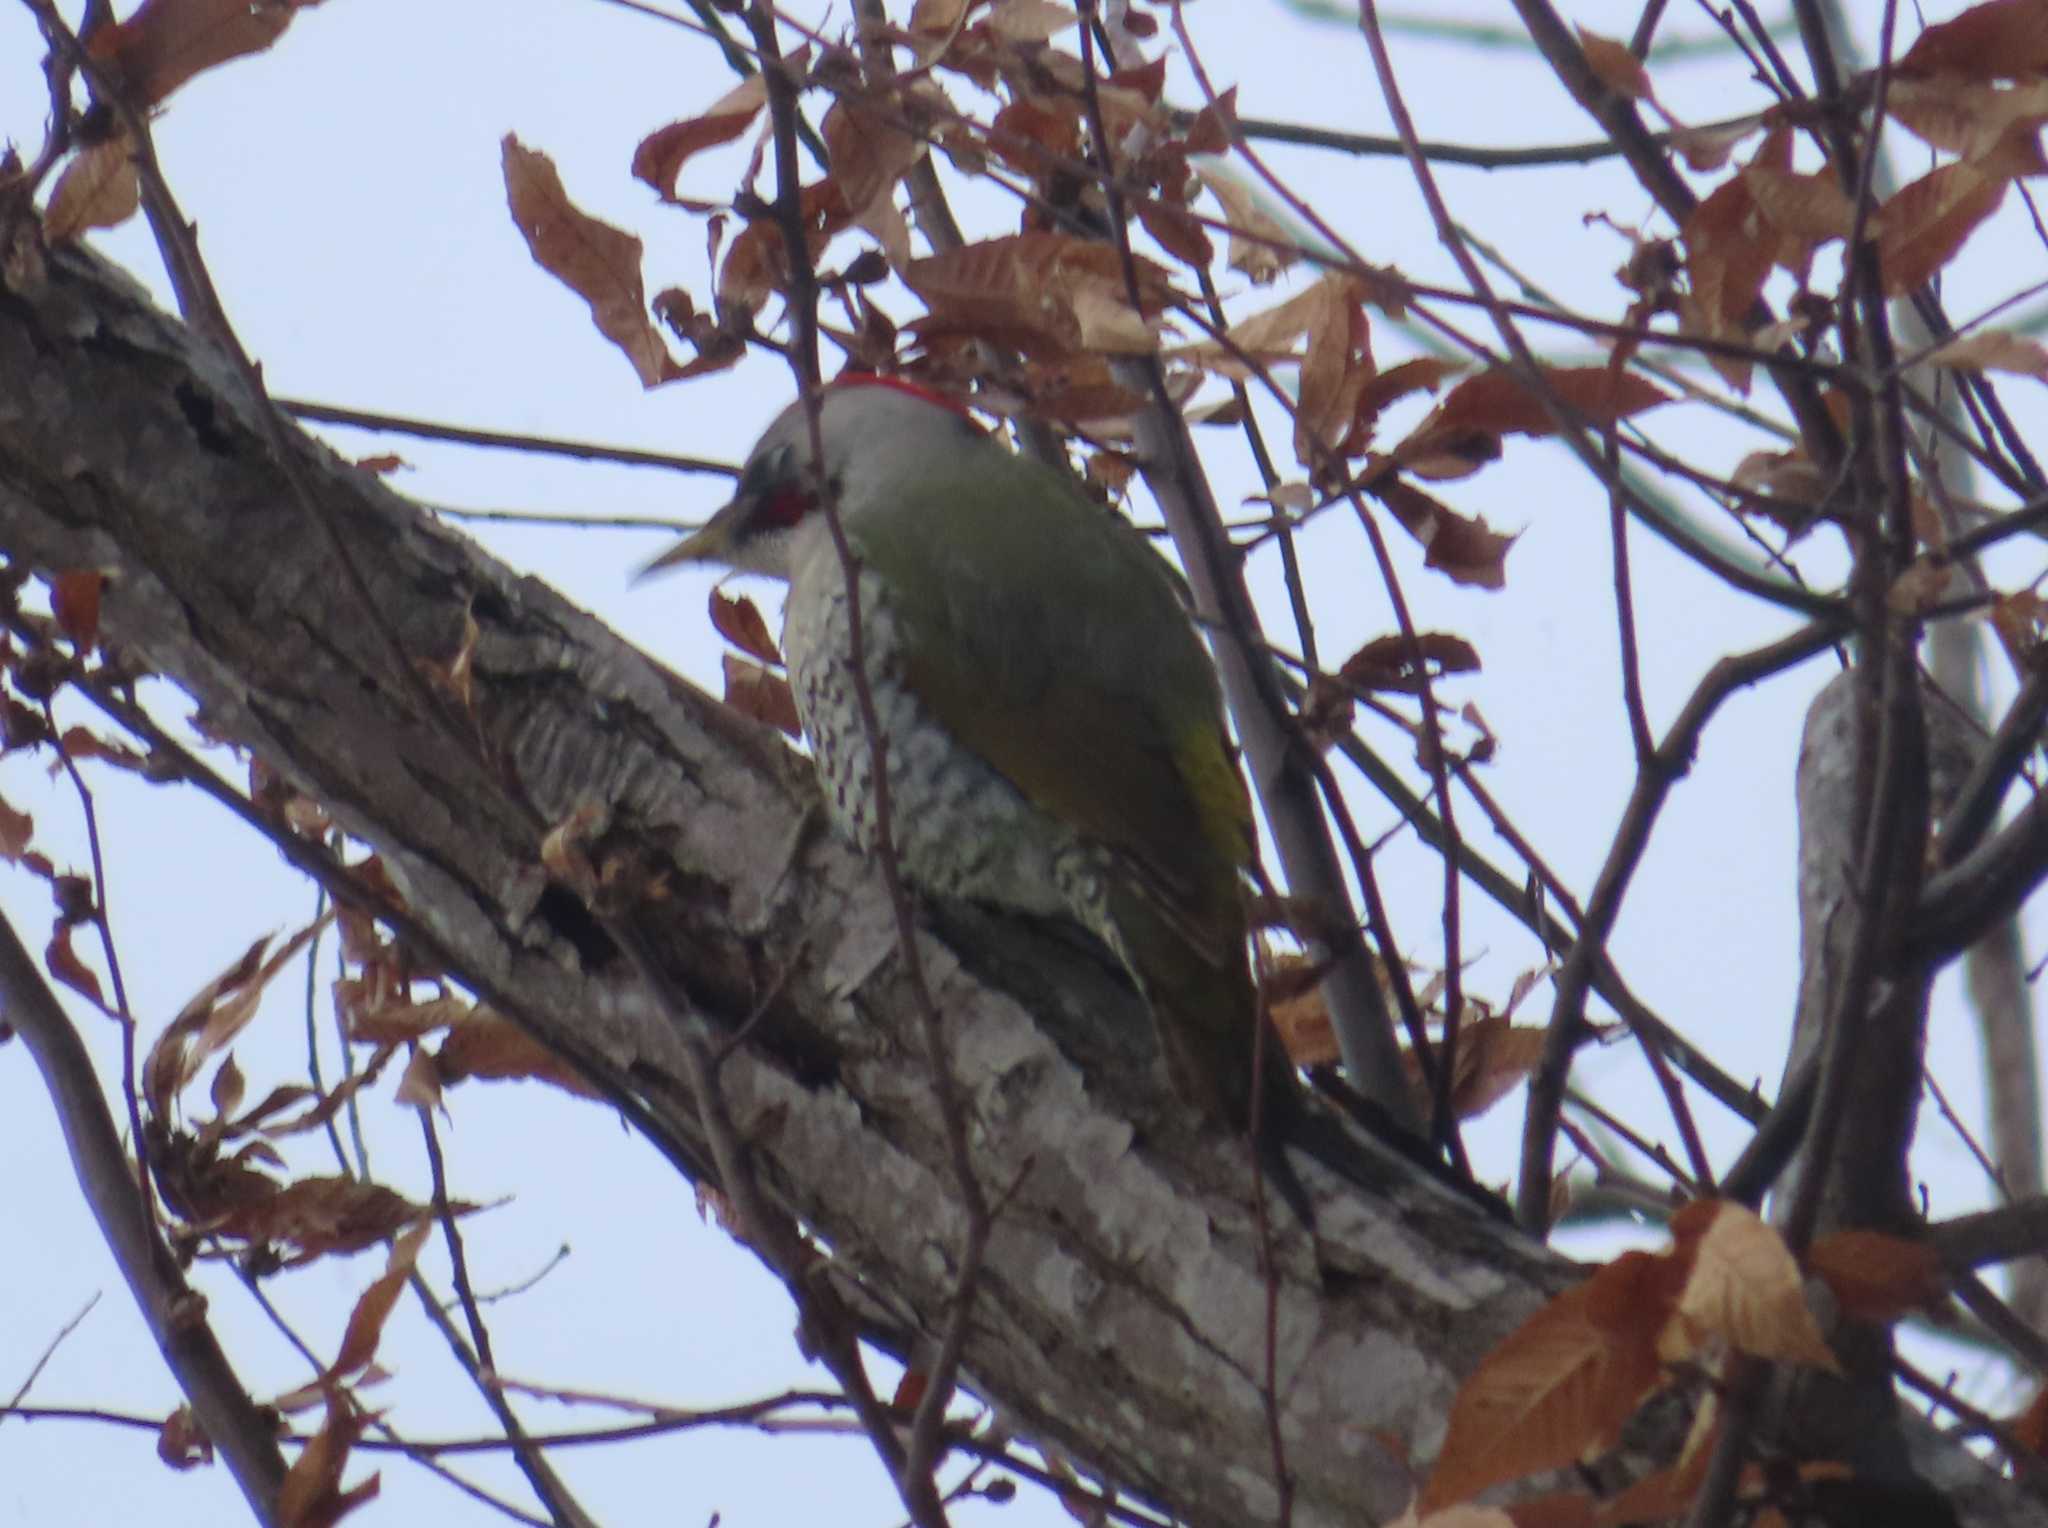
<point x="902" y="385"/>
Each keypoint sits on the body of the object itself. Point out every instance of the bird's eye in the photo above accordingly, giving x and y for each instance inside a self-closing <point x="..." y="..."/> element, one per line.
<point x="766" y="472"/>
<point x="777" y="482"/>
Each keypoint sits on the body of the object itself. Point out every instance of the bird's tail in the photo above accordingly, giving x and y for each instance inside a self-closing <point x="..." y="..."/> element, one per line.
<point x="1224" y="1058"/>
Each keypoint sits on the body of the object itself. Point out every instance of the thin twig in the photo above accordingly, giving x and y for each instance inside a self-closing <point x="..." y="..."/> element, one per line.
<point x="1274" y="750"/>
<point x="1162" y="415"/>
<point x="102" y="921"/>
<point x="477" y="1359"/>
<point x="1665" y="767"/>
<point x="502" y="440"/>
<point x="171" y="1309"/>
<point x="1625" y="606"/>
<point x="28" y="1382"/>
<point x="914" y="1464"/>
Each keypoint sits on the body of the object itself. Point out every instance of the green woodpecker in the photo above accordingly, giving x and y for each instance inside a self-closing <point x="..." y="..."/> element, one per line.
<point x="1055" y="733"/>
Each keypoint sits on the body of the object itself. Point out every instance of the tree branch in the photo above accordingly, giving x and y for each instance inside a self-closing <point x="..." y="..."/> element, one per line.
<point x="173" y="1311"/>
<point x="1122" y="1316"/>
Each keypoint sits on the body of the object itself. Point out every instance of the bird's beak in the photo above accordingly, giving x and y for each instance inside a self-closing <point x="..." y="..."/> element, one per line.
<point x="710" y="542"/>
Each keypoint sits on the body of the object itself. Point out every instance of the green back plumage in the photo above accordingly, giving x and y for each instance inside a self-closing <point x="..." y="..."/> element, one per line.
<point x="1098" y="702"/>
<point x="1051" y="640"/>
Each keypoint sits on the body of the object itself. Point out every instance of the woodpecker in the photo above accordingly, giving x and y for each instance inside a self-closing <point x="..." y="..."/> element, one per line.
<point x="1055" y="736"/>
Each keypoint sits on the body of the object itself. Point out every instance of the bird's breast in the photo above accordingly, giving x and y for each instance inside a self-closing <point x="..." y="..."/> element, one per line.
<point x="960" y="829"/>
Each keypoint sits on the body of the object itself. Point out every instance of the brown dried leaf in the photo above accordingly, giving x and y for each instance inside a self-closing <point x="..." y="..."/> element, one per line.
<point x="1388" y="663"/>
<point x="281" y="1097"/>
<point x="325" y="1106"/>
<point x="227" y="1088"/>
<point x="1730" y="249"/>
<point x="1425" y="374"/>
<point x="1083" y="392"/>
<point x="1271" y="335"/>
<point x="166" y="42"/>
<point x="598" y="262"/>
<point x="1560" y="1386"/>
<point x="1728" y="253"/>
<point x="739" y="620"/>
<point x="311" y="1496"/>
<point x="182" y="1443"/>
<point x="373" y="1307"/>
<point x="1995" y="350"/>
<point x="1043" y="292"/>
<point x="870" y="153"/>
<point x="1259" y="247"/>
<point x="319" y="1216"/>
<point x="458" y="675"/>
<point x="938" y="15"/>
<point x="491" y="1047"/>
<point x="1706" y="149"/>
<point x="1497" y="402"/>
<point x="2001" y="39"/>
<point x="1922" y="586"/>
<point x="1112" y="470"/>
<point x="2021" y="621"/>
<point x="1793" y="484"/>
<point x="64" y="964"/>
<point x="757" y="262"/>
<point x="213" y="1017"/>
<point x="1617" y="68"/>
<point x="1214" y="129"/>
<point x="1302" y="1020"/>
<point x="419" y="1085"/>
<point x="1334" y="371"/>
<point x="1494" y="1055"/>
<point x="2030" y="1427"/>
<point x="1878" y="1278"/>
<point x="75" y="602"/>
<point x="1964" y="117"/>
<point x="1927" y="221"/>
<point x="753" y="691"/>
<point x="1030" y="20"/>
<point x="1146" y="79"/>
<point x="397" y="1020"/>
<point x="1742" y="1286"/>
<point x="1033" y="137"/>
<point x="562" y="847"/>
<point x="82" y="742"/>
<point x="1467" y="551"/>
<point x="1177" y="231"/>
<point x="17" y="832"/>
<point x="1107" y="325"/>
<point x="1808" y="209"/>
<point x="98" y="189"/>
<point x="661" y="155"/>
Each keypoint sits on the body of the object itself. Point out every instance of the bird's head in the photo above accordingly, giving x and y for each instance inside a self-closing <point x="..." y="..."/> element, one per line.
<point x="875" y="432"/>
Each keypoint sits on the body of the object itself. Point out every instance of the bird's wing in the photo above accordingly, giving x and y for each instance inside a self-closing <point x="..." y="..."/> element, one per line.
<point x="1050" y="641"/>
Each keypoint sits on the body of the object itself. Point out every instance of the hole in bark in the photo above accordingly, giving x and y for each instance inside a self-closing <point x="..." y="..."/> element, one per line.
<point x="200" y="413"/>
<point x="564" y="912"/>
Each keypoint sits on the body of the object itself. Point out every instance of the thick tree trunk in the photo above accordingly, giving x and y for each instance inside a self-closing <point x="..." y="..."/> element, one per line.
<point x="1123" y="1314"/>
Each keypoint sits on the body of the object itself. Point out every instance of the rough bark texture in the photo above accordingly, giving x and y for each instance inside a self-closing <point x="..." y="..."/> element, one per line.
<point x="1122" y="1314"/>
<point x="1870" y="1186"/>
